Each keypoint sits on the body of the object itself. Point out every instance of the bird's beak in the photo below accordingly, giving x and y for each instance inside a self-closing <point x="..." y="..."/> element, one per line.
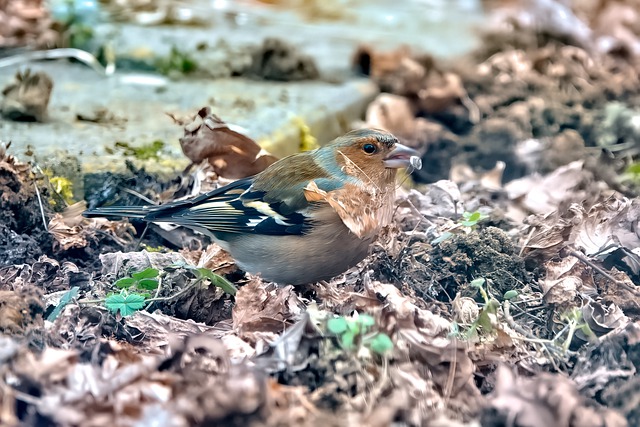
<point x="401" y="157"/>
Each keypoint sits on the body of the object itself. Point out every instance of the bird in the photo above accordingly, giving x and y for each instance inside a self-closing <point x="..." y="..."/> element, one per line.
<point x="304" y="219"/>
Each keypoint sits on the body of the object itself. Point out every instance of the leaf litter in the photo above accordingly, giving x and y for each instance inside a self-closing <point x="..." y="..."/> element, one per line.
<point x="507" y="284"/>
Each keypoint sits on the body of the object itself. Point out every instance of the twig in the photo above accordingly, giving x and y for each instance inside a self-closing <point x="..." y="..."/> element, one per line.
<point x="144" y="233"/>
<point x="110" y="236"/>
<point x="155" y="299"/>
<point x="380" y="386"/>
<point x="24" y="397"/>
<point x="64" y="53"/>
<point x="44" y="219"/>
<point x="91" y="301"/>
<point x="472" y="107"/>
<point x="157" y="293"/>
<point x="140" y="196"/>
<point x="524" y="245"/>
<point x="605" y="273"/>
<point x="186" y="289"/>
<point x="548" y="346"/>
<point x="453" y="364"/>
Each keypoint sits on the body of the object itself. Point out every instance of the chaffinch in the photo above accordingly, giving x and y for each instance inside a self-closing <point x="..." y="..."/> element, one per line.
<point x="308" y="217"/>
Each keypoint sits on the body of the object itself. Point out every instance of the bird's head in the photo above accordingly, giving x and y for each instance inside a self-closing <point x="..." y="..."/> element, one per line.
<point x="371" y="153"/>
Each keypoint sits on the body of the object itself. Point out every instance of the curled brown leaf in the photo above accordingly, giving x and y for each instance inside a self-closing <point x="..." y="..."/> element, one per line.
<point x="231" y="154"/>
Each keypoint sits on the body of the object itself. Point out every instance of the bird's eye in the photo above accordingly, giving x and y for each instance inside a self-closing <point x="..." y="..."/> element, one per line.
<point x="369" y="148"/>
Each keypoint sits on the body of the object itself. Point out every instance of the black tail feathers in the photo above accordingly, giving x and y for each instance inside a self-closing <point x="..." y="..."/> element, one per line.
<point x="119" y="211"/>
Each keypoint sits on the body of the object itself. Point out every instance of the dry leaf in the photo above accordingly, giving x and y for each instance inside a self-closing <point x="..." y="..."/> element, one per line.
<point x="260" y="307"/>
<point x="231" y="154"/>
<point x="278" y="60"/>
<point x="565" y="279"/>
<point x="543" y="194"/>
<point x="392" y="113"/>
<point x="26" y="22"/>
<point x="20" y="311"/>
<point x="212" y="257"/>
<point x="27" y="98"/>
<point x="546" y="400"/>
<point x="440" y="92"/>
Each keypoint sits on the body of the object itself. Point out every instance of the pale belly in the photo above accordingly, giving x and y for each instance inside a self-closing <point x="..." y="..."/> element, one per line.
<point x="298" y="260"/>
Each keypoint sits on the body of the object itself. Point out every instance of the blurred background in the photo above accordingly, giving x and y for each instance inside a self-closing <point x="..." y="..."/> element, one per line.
<point x="523" y="85"/>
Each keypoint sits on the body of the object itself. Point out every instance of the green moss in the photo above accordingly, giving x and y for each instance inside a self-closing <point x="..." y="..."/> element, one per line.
<point x="308" y="142"/>
<point x="142" y="152"/>
<point x="176" y="62"/>
<point x="63" y="187"/>
<point x="153" y="248"/>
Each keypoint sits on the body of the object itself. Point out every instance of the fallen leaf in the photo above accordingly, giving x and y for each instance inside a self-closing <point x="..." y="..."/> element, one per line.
<point x="265" y="308"/>
<point x="231" y="154"/>
<point x="279" y="60"/>
<point x="440" y="92"/>
<point x="546" y="400"/>
<point x="27" y="23"/>
<point x="27" y="97"/>
<point x="565" y="279"/>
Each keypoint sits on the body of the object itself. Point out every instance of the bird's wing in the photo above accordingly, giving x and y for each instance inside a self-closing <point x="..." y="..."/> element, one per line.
<point x="169" y="210"/>
<point x="273" y="203"/>
<point x="280" y="207"/>
<point x="217" y="210"/>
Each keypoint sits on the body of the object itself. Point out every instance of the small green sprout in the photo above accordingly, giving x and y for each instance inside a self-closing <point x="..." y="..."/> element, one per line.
<point x="478" y="283"/>
<point x="575" y="321"/>
<point x="177" y="62"/>
<point x="133" y="293"/>
<point x="66" y="299"/>
<point x="63" y="187"/>
<point x="466" y="224"/>
<point x="634" y="169"/>
<point x="632" y="173"/>
<point x="486" y="318"/>
<point x="124" y="302"/>
<point x="353" y="332"/>
<point x="216" y="280"/>
<point x="471" y="219"/>
<point x="510" y="294"/>
<point x="381" y="343"/>
<point x="146" y="279"/>
<point x="202" y="273"/>
<point x="134" y="288"/>
<point x="150" y="151"/>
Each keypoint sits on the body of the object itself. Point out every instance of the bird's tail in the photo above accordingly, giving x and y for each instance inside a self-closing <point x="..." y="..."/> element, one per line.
<point x="119" y="211"/>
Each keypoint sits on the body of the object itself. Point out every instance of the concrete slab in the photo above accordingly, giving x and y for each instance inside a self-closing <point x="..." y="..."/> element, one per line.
<point x="267" y="110"/>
